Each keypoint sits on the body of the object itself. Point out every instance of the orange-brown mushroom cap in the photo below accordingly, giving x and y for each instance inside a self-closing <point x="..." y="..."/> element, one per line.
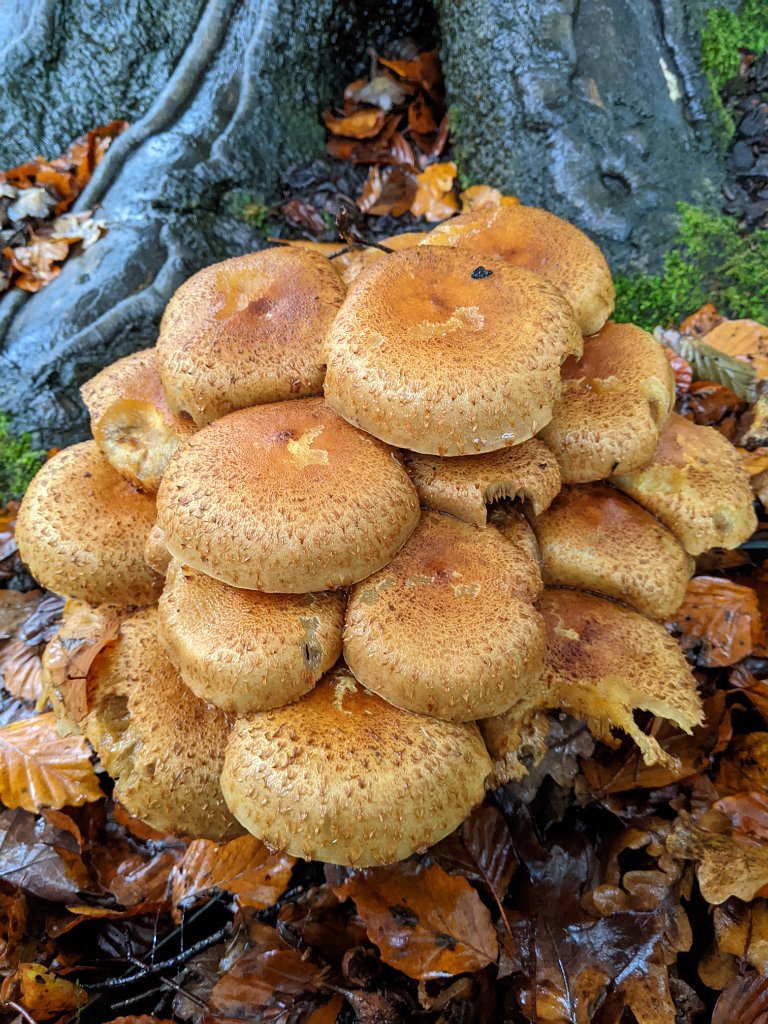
<point x="465" y="485"/>
<point x="82" y="528"/>
<point x="162" y="744"/>
<point x="602" y="662"/>
<point x="351" y="264"/>
<point x="247" y="331"/>
<point x="243" y="650"/>
<point x="595" y="538"/>
<point x="156" y="553"/>
<point x="526" y="236"/>
<point x="131" y="420"/>
<point x="614" y="402"/>
<point x="439" y="352"/>
<point x="344" y="777"/>
<point x="286" y="498"/>
<point x="697" y="486"/>
<point x="447" y="628"/>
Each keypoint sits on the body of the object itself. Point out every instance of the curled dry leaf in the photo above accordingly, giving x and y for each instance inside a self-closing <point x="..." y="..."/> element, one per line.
<point x="434" y="199"/>
<point x="681" y="369"/>
<point x="425" y="922"/>
<point x="745" y="765"/>
<point x="363" y="124"/>
<point x="39" y="768"/>
<point x="746" y="340"/>
<point x="276" y="979"/>
<point x="741" y="931"/>
<point x="748" y="814"/>
<point x="702" y="321"/>
<point x="13" y="926"/>
<point x="745" y="1001"/>
<point x="719" y="621"/>
<point x="390" y="190"/>
<point x="21" y="670"/>
<point x="243" y="866"/>
<point x="41" y="992"/>
<point x="725" y="865"/>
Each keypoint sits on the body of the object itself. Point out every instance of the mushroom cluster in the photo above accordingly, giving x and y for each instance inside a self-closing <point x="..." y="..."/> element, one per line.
<point x="327" y="511"/>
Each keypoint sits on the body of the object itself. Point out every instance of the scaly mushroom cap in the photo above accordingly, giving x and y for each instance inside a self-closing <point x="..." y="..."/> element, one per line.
<point x="131" y="420"/>
<point x="82" y="528"/>
<point x="248" y="331"/>
<point x="595" y="538"/>
<point x="349" y="265"/>
<point x="512" y="524"/>
<point x="286" y="498"/>
<point x="526" y="236"/>
<point x="696" y="485"/>
<point x="447" y="628"/>
<point x="344" y="777"/>
<point x="162" y="745"/>
<point x="603" y="661"/>
<point x="156" y="553"/>
<point x="464" y="486"/>
<point x="246" y="651"/>
<point x="437" y="351"/>
<point x="614" y="402"/>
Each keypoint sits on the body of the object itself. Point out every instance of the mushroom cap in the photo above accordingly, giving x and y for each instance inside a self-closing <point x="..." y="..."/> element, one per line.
<point x="595" y="538"/>
<point x="603" y="661"/>
<point x="465" y="485"/>
<point x="614" y="402"/>
<point x="526" y="236"/>
<point x="286" y="498"/>
<point x="448" y="628"/>
<point x="429" y="357"/>
<point x="243" y="650"/>
<point x="697" y="486"/>
<point x="248" y="331"/>
<point x="344" y="777"/>
<point x="349" y="265"/>
<point x="82" y="528"/>
<point x="131" y="420"/>
<point x="512" y="524"/>
<point x="156" y="553"/>
<point x="162" y="744"/>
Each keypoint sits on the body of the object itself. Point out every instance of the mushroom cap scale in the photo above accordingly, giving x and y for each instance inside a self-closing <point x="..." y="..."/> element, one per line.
<point x="243" y="650"/>
<point x="613" y="404"/>
<point x="247" y="331"/>
<point x="286" y="498"/>
<point x="595" y="538"/>
<point x="344" y="777"/>
<point x="464" y="486"/>
<point x="163" y="745"/>
<point x="528" y="237"/>
<point x="448" y="628"/>
<point x="696" y="485"/>
<point x="434" y="352"/>
<point x="82" y="528"/>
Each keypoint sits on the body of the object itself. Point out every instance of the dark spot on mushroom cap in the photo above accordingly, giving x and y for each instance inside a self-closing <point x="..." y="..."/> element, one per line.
<point x="479" y="273"/>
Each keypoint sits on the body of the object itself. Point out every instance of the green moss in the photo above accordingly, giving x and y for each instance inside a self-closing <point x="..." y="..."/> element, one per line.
<point x="711" y="260"/>
<point x="19" y="461"/>
<point x="724" y="34"/>
<point x="249" y="208"/>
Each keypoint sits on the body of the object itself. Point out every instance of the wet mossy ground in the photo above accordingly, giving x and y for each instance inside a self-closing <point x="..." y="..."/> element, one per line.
<point x="19" y="461"/>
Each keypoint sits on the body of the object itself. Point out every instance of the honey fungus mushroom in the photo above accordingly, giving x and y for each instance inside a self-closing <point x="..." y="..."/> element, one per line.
<point x="602" y="662"/>
<point x="162" y="744"/>
<point x="464" y="486"/>
<point x="448" y="628"/>
<point x="286" y="498"/>
<point x="696" y="485"/>
<point x="614" y="402"/>
<point x="131" y="420"/>
<point x="528" y="237"/>
<point x="439" y="353"/>
<point x="344" y="777"/>
<point x="82" y="528"/>
<point x="243" y="650"/>
<point x="595" y="538"/>
<point x="248" y="331"/>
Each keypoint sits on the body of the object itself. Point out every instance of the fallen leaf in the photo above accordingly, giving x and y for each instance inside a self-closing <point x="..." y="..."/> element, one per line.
<point x="745" y="1001"/>
<point x="741" y="930"/>
<point x="243" y="866"/>
<point x="390" y="190"/>
<point x="481" y="851"/>
<point x="41" y="992"/>
<point x="423" y="70"/>
<point x="39" y="768"/>
<point x="21" y="670"/>
<point x="258" y="980"/>
<point x="13" y="925"/>
<point x="711" y="403"/>
<point x="434" y="199"/>
<point x="748" y="814"/>
<point x="719" y="621"/>
<point x="421" y="115"/>
<point x="303" y="215"/>
<point x="702" y="321"/>
<point x="479" y="197"/>
<point x="745" y="766"/>
<point x="363" y="124"/>
<point x="755" y="462"/>
<point x="747" y="340"/>
<point x="681" y="370"/>
<point x="30" y="857"/>
<point x="725" y="865"/>
<point x="37" y="262"/>
<point x="84" y="633"/>
<point x="425" y="922"/>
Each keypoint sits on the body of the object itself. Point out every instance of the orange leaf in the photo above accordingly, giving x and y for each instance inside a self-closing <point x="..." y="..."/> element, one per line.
<point x="423" y="70"/>
<point x="39" y="768"/>
<point x="748" y="813"/>
<point x="363" y="124"/>
<point x="479" y="197"/>
<point x="13" y="926"/>
<point x="755" y="462"/>
<point x="434" y="199"/>
<point x="85" y="632"/>
<point x="41" y="992"/>
<point x="702" y="321"/>
<point x="243" y="866"/>
<point x="21" y="670"/>
<point x="719" y="618"/>
<point x="682" y="370"/>
<point x="390" y="190"/>
<point x="258" y="979"/>
<point x="746" y="340"/>
<point x="426" y="923"/>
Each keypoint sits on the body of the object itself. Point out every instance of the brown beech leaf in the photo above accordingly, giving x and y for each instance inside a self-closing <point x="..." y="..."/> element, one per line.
<point x="711" y="404"/>
<point x="37" y="262"/>
<point x="137" y="879"/>
<point x="681" y="369"/>
<point x="745" y="1001"/>
<point x="21" y="670"/>
<point x="748" y="814"/>
<point x="481" y="851"/>
<point x="142" y="1018"/>
<point x="425" y="922"/>
<point x="387" y="190"/>
<point x="725" y="865"/>
<point x="13" y="926"/>
<point x="741" y="930"/>
<point x="39" y="768"/>
<point x="434" y="199"/>
<point x="84" y="634"/>
<point x="746" y="340"/>
<point x="328" y="1012"/>
<point x="702" y="321"/>
<point x="756" y="690"/>
<point x="258" y="980"/>
<point x="243" y="866"/>
<point x="363" y="124"/>
<point x="745" y="765"/>
<point x="41" y="992"/>
<point x="15" y="607"/>
<point x="423" y="70"/>
<point x="303" y="215"/>
<point x="719" y="620"/>
<point x="421" y="115"/>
